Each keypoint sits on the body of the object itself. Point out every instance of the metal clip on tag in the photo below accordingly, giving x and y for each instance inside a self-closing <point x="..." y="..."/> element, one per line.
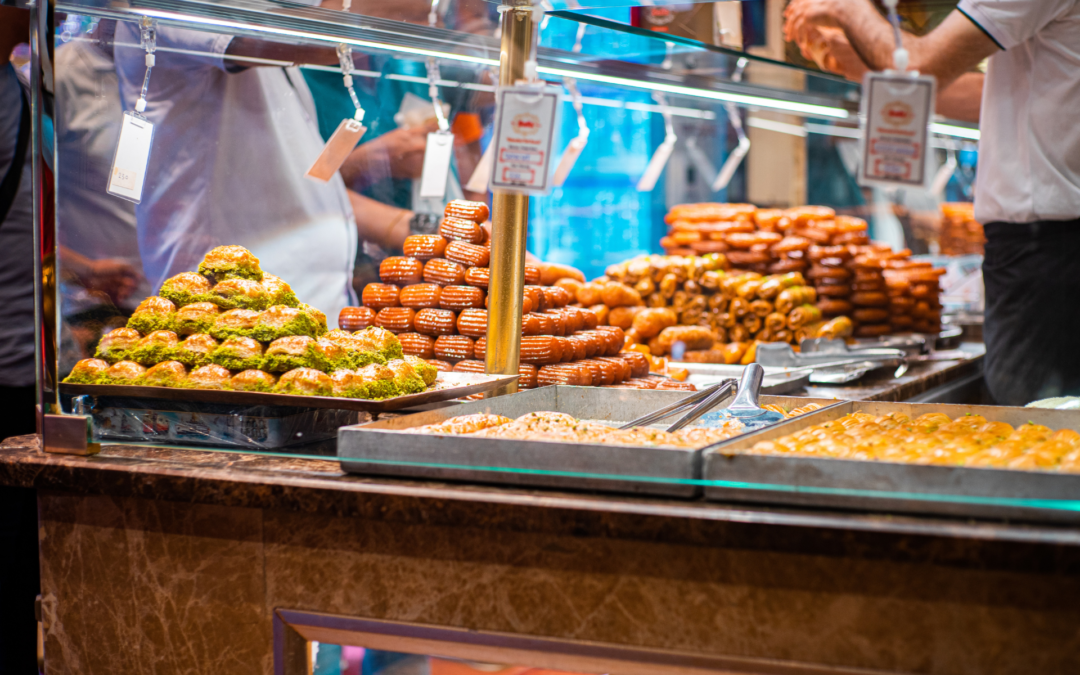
<point x="136" y="132"/>
<point x="344" y="139"/>
<point x="663" y="152"/>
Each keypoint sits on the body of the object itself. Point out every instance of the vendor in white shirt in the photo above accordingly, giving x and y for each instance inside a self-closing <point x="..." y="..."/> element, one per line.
<point x="1027" y="192"/>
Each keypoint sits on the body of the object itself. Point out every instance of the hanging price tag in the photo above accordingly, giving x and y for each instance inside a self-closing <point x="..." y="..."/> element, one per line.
<point x="131" y="157"/>
<point x="342" y="142"/>
<point x="569" y="158"/>
<point x="656" y="166"/>
<point x="524" y="134"/>
<point x="437" y="154"/>
<point x="896" y="129"/>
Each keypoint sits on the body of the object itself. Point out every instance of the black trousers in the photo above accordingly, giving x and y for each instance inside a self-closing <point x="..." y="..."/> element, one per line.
<point x="1032" y="277"/>
<point x="19" y="572"/>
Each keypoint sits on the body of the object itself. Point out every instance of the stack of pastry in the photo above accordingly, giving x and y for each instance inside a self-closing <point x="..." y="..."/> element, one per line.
<point x="231" y="326"/>
<point x="960" y="234"/>
<point x="691" y="309"/>
<point x="834" y="252"/>
<point x="434" y="298"/>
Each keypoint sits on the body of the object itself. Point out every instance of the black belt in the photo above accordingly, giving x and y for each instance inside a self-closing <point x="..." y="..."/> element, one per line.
<point x="1034" y="230"/>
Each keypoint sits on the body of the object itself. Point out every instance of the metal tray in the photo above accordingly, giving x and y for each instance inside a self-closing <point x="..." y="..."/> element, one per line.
<point x="895" y="487"/>
<point x="382" y="448"/>
<point x="777" y="380"/>
<point x="448" y="386"/>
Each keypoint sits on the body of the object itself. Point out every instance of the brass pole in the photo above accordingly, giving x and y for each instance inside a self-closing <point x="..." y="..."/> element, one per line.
<point x="509" y="222"/>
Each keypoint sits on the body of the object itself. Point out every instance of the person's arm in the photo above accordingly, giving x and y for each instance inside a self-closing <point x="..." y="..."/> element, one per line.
<point x="962" y="100"/>
<point x="947" y="52"/>
<point x="384" y="225"/>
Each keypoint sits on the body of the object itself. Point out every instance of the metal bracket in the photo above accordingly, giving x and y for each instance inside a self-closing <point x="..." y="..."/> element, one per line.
<point x="69" y="435"/>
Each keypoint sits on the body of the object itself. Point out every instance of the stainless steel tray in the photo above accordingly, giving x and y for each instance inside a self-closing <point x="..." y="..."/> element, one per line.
<point x="382" y="447"/>
<point x="895" y="487"/>
<point x="777" y="380"/>
<point x="448" y="386"/>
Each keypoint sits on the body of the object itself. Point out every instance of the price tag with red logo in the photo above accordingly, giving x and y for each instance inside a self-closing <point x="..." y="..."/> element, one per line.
<point x="896" y="114"/>
<point x="524" y="135"/>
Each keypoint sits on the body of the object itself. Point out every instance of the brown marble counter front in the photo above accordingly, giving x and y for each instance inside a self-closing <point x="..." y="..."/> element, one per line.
<point x="162" y="560"/>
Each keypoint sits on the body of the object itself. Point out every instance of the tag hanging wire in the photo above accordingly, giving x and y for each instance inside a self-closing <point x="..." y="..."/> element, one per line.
<point x="433" y="74"/>
<point x="148" y="38"/>
<point x="578" y="143"/>
<point x="344" y="53"/>
<point x="731" y="164"/>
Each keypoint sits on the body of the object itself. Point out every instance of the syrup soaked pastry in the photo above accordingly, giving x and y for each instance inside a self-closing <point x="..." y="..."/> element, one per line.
<point x="194" y="351"/>
<point x="230" y="262"/>
<point x="197" y="317"/>
<point x="153" y="313"/>
<point x="154" y="348"/>
<point x="186" y="288"/>
<point x="166" y="374"/>
<point x="123" y="373"/>
<point x="212" y="376"/>
<point x="305" y="382"/>
<point x="253" y="380"/>
<point x="117" y="344"/>
<point x="238" y="353"/>
<point x="87" y="371"/>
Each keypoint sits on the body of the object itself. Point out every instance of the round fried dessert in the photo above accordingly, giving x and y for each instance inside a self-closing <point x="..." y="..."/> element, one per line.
<point x="475" y="211"/>
<point x="424" y="246"/>
<point x="280" y="292"/>
<point x="316" y="315"/>
<point x="124" y="372"/>
<point x="235" y="323"/>
<point x="281" y="321"/>
<point x="230" y="262"/>
<point x="406" y="379"/>
<point x="427" y="372"/>
<point x="467" y="254"/>
<point x="379" y="296"/>
<point x="305" y="382"/>
<point x="154" y="348"/>
<point x="420" y="296"/>
<point x="401" y="270"/>
<point x="381" y="341"/>
<point x="417" y="344"/>
<point x="355" y="318"/>
<point x="288" y="353"/>
<point x="153" y="313"/>
<point x="87" y="371"/>
<point x="197" y="317"/>
<point x="375" y="381"/>
<point x="185" y="288"/>
<point x="194" y="352"/>
<point x="253" y="380"/>
<point x="117" y="344"/>
<point x="240" y="294"/>
<point x="238" y="353"/>
<point x="441" y="366"/>
<point x="166" y="374"/>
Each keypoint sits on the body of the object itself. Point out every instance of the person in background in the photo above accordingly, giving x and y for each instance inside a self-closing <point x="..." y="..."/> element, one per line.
<point x="1027" y="191"/>
<point x="19" y="575"/>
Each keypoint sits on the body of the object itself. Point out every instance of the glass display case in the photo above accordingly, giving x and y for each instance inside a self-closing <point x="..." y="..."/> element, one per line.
<point x="244" y="95"/>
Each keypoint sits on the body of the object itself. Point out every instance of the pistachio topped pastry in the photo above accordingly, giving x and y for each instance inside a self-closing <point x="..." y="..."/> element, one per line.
<point x="87" y="371"/>
<point x="155" y="348"/>
<point x="287" y="353"/>
<point x="230" y="262"/>
<point x="427" y="372"/>
<point x="253" y="380"/>
<point x="380" y="340"/>
<point x="153" y="313"/>
<point x="375" y="381"/>
<point x="280" y="292"/>
<point x="166" y="374"/>
<point x="194" y="352"/>
<point x="212" y="376"/>
<point x="195" y="318"/>
<point x="235" y="322"/>
<point x="305" y="382"/>
<point x="344" y="383"/>
<point x="327" y="356"/>
<point x="316" y="315"/>
<point x="117" y="344"/>
<point x="238" y="353"/>
<point x="125" y="372"/>
<point x="357" y="352"/>
<point x="185" y="288"/>
<point x="280" y="321"/>
<point x="405" y="378"/>
<point x="239" y="294"/>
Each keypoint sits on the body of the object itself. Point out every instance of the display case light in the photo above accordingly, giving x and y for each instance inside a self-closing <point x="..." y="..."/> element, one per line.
<point x="954" y="130"/>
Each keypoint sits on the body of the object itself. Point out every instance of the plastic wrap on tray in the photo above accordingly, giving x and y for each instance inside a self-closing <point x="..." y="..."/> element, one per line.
<point x="138" y="420"/>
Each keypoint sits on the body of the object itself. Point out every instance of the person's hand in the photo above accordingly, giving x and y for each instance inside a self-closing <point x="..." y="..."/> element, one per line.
<point x="401" y="149"/>
<point x="830" y="49"/>
<point x="113" y="277"/>
<point x="803" y="17"/>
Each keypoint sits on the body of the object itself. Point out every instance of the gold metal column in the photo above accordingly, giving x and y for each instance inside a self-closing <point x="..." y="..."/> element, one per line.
<point x="509" y="222"/>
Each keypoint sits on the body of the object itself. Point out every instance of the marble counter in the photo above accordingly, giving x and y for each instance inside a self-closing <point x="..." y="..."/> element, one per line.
<point x="167" y="560"/>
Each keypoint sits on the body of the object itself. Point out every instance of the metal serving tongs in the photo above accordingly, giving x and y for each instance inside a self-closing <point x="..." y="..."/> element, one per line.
<point x="700" y="403"/>
<point x="745" y="407"/>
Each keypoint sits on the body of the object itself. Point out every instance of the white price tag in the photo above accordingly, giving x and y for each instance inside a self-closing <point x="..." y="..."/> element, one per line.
<point x="656" y="166"/>
<point x="567" y="161"/>
<point x="896" y="117"/>
<point x="524" y="134"/>
<point x="342" y="142"/>
<point x="132" y="154"/>
<point x="437" y="154"/>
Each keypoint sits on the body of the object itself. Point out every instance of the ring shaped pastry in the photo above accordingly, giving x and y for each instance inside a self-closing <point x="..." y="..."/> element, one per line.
<point x="401" y="271"/>
<point x="443" y="272"/>
<point x="420" y="296"/>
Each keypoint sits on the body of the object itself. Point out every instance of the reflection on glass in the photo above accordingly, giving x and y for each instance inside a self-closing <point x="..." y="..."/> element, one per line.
<point x="331" y="659"/>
